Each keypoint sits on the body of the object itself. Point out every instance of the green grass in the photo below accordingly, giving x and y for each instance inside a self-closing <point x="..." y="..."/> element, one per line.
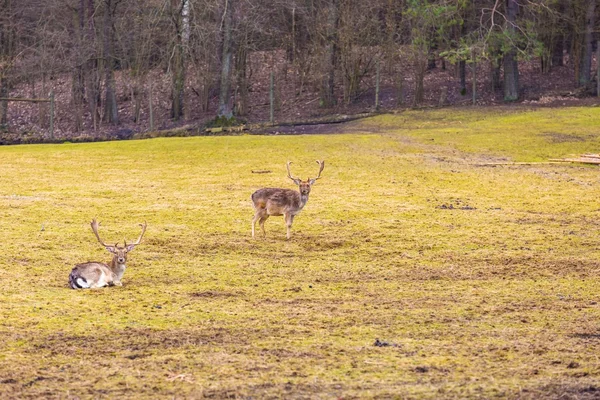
<point x="483" y="278"/>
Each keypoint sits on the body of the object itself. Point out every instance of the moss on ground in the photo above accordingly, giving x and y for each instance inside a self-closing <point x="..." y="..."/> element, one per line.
<point x="480" y="280"/>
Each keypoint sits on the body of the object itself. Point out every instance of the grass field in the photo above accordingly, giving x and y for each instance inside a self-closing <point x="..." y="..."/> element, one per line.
<point x="478" y="280"/>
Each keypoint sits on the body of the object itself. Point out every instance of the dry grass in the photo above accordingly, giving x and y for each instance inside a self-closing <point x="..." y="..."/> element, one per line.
<point x="481" y="280"/>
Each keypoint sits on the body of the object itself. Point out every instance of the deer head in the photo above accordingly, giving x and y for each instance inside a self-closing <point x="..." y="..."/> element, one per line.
<point x="119" y="253"/>
<point x="304" y="186"/>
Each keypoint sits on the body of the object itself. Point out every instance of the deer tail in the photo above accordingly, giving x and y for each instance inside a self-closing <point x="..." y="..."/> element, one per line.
<point x="76" y="281"/>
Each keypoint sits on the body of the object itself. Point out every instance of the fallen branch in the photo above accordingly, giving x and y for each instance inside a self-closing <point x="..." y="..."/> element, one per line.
<point x="580" y="160"/>
<point x="332" y="119"/>
<point x="219" y="129"/>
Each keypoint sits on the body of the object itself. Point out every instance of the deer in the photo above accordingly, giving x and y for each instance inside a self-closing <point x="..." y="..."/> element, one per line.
<point x="287" y="202"/>
<point x="91" y="275"/>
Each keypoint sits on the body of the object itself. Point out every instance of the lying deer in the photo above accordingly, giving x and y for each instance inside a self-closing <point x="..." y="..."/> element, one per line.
<point x="96" y="274"/>
<point x="286" y="202"/>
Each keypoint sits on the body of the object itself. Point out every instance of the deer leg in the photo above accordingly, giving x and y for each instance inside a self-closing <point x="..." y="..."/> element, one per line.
<point x="289" y="218"/>
<point x="262" y="221"/>
<point x="256" y="218"/>
<point x="259" y="215"/>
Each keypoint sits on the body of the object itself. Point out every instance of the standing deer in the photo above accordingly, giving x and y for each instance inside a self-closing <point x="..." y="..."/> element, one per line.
<point x="96" y="274"/>
<point x="286" y="202"/>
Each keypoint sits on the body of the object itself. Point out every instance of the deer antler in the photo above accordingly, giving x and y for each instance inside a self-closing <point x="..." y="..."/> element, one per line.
<point x="130" y="246"/>
<point x="322" y="164"/>
<point x="289" y="173"/>
<point x="95" y="225"/>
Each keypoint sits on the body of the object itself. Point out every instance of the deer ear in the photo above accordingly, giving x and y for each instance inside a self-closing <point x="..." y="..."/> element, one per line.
<point x="311" y="181"/>
<point x="129" y="247"/>
<point x="297" y="181"/>
<point x="112" y="249"/>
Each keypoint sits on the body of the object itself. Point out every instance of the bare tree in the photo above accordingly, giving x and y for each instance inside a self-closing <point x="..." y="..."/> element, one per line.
<point x="92" y="66"/>
<point x="179" y="13"/>
<point x="226" y="58"/>
<point x="330" y="53"/>
<point x="7" y="54"/>
<point x="511" y="66"/>
<point x="585" y="64"/>
<point x="111" y="114"/>
<point x="429" y="23"/>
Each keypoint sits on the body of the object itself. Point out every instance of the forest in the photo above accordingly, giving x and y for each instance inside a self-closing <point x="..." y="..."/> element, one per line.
<point x="125" y="66"/>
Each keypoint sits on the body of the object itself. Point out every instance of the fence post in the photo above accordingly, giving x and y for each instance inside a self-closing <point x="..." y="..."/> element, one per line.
<point x="52" y="114"/>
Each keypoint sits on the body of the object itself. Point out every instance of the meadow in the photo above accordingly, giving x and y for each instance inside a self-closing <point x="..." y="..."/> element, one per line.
<point x="424" y="265"/>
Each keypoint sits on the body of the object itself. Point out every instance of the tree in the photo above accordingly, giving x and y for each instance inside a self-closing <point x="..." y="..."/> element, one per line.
<point x="359" y="35"/>
<point x="550" y="27"/>
<point x="7" y="54"/>
<point x="430" y="24"/>
<point x="111" y="114"/>
<point x="585" y="64"/>
<point x="226" y="57"/>
<point x="179" y="13"/>
<point x="78" y="77"/>
<point x="205" y="39"/>
<point x="92" y="66"/>
<point x="511" y="66"/>
<point x="330" y="53"/>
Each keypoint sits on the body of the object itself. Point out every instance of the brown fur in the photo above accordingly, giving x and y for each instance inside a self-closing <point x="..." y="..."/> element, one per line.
<point x="96" y="274"/>
<point x="287" y="202"/>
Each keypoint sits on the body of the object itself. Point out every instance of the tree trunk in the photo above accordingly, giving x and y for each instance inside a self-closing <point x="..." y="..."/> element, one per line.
<point x="390" y="30"/>
<point x="585" y="64"/>
<point x="431" y="62"/>
<point x="400" y="89"/>
<point x="557" y="51"/>
<point x="206" y="84"/>
<point x="110" y="102"/>
<point x="178" y="78"/>
<point x="91" y="73"/>
<point x="558" y="38"/>
<point x="511" y="77"/>
<point x="180" y="16"/>
<point x="7" y="54"/>
<point x="242" y="79"/>
<point x="226" y="56"/>
<point x="3" y="104"/>
<point x="462" y="73"/>
<point x="331" y="49"/>
<point x="290" y="45"/>
<point x="420" y="64"/>
<point x="78" y="78"/>
<point x="495" y="64"/>
<point x="511" y="67"/>
<point x="474" y="77"/>
<point x="43" y="107"/>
